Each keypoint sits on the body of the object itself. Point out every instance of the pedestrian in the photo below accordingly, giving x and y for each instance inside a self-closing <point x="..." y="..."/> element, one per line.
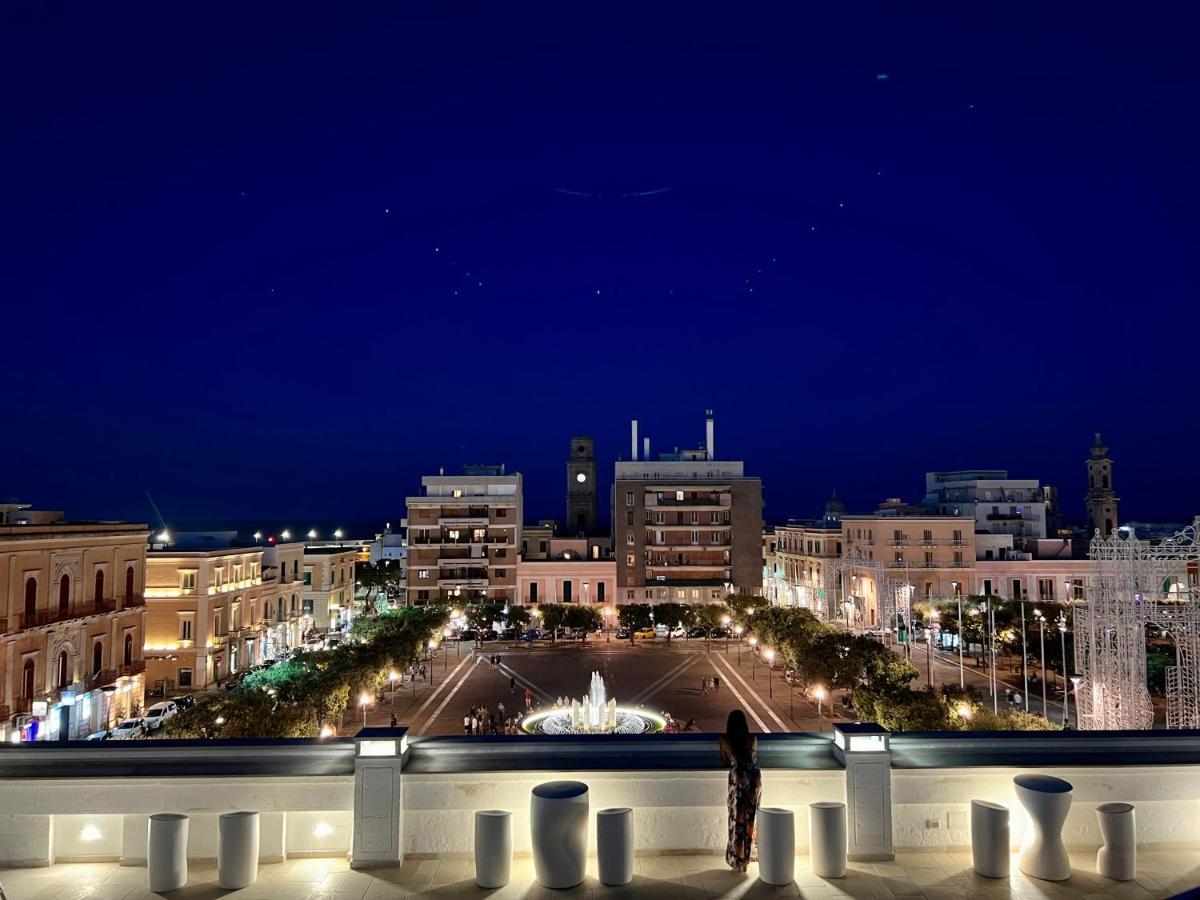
<point x="467" y="723"/>
<point x="717" y="683"/>
<point x="528" y="699"/>
<point x="739" y="751"/>
<point x="512" y="683"/>
<point x="394" y="723"/>
<point x="500" y="708"/>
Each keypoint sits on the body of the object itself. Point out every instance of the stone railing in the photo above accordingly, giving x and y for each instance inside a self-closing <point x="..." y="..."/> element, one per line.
<point x="312" y="793"/>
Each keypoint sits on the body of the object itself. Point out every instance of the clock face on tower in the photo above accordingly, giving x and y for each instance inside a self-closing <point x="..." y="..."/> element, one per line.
<point x="581" y="477"/>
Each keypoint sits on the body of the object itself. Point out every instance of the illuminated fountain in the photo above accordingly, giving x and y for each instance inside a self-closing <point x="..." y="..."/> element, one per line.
<point x="593" y="714"/>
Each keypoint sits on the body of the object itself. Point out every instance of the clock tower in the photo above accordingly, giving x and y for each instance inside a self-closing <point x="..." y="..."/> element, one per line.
<point x="1101" y="500"/>
<point x="581" y="488"/>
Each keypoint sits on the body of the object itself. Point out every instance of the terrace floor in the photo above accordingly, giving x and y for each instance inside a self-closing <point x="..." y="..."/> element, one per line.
<point x="913" y="874"/>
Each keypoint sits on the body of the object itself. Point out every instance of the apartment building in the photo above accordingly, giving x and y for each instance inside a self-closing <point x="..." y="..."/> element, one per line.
<point x="329" y="586"/>
<point x="217" y="605"/>
<point x="996" y="503"/>
<point x="802" y="566"/>
<point x="72" y="620"/>
<point x="464" y="537"/>
<point x="687" y="526"/>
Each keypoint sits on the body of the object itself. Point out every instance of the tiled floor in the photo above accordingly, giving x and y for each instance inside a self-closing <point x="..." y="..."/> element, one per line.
<point x="932" y="875"/>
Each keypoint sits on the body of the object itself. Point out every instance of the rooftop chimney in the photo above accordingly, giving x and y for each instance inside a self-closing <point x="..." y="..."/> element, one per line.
<point x="633" y="439"/>
<point x="708" y="433"/>
<point x="646" y="448"/>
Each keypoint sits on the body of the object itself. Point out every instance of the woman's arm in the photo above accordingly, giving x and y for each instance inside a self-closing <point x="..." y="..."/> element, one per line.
<point x="726" y="753"/>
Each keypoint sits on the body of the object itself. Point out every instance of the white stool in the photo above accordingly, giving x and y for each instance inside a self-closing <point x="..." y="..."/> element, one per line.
<point x="614" y="845"/>
<point x="1046" y="800"/>
<point x="827" y="839"/>
<point x="166" y="851"/>
<point x="776" y="845"/>
<point x="493" y="847"/>
<point x="989" y="839"/>
<point x="1117" y="859"/>
<point x="558" y="824"/>
<point x="237" y="850"/>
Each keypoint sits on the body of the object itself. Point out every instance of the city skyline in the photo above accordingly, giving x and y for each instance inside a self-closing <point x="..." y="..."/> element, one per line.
<point x="290" y="283"/>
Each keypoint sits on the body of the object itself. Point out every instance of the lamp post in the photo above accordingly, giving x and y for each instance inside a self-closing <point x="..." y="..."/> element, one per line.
<point x="819" y="693"/>
<point x="1061" y="622"/>
<point x="392" y="676"/>
<point x="933" y="620"/>
<point x="962" y="675"/>
<point x="1024" y="657"/>
<point x="1041" y="620"/>
<point x="737" y="630"/>
<point x="725" y="620"/>
<point x="364" y="700"/>
<point x="1075" y="679"/>
<point x="770" y="655"/>
<point x="432" y="646"/>
<point x="753" y="662"/>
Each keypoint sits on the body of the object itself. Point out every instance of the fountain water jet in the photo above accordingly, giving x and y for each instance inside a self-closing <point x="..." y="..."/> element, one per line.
<point x="593" y="714"/>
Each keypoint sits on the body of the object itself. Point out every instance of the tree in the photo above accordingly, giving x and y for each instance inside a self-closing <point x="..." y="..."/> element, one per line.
<point x="671" y="615"/>
<point x="586" y="618"/>
<point x="634" y="616"/>
<point x="710" y="614"/>
<point x="553" y="616"/>
<point x="517" y="617"/>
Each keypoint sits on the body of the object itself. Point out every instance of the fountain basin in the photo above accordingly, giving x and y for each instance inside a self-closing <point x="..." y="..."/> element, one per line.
<point x="628" y="721"/>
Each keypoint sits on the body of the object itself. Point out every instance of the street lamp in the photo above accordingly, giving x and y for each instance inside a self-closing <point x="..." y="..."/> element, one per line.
<point x="770" y="655"/>
<point x="1061" y="622"/>
<point x="725" y="620"/>
<point x="312" y="534"/>
<point x="337" y="534"/>
<point x="432" y="646"/>
<point x="737" y="630"/>
<point x="393" y="676"/>
<point x="934" y="615"/>
<point x="964" y="712"/>
<point x="286" y="535"/>
<point x="1075" y="679"/>
<point x="753" y="641"/>
<point x="819" y="693"/>
<point x="364" y="701"/>
<point x="962" y="674"/>
<point x="1041" y="620"/>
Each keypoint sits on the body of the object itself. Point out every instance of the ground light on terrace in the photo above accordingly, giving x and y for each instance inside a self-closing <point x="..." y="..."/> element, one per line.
<point x="594" y="714"/>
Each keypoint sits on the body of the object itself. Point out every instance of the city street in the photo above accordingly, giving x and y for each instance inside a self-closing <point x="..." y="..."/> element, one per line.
<point x="653" y="674"/>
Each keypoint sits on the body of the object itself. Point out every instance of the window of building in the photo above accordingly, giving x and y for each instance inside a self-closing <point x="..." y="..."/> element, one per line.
<point x="129" y="584"/>
<point x="600" y="592"/>
<point x="501" y="553"/>
<point x="187" y="580"/>
<point x="716" y="537"/>
<point x="308" y="573"/>
<point x="629" y="538"/>
<point x="927" y="535"/>
<point x="679" y="496"/>
<point x="629" y="560"/>
<point x="928" y="559"/>
<point x="500" y="573"/>
<point x="185" y="628"/>
<point x="958" y="558"/>
<point x="422" y="573"/>
<point x="184" y="677"/>
<point x="629" y="498"/>
<point x="695" y="537"/>
<point x="479" y="535"/>
<point x="217" y="632"/>
<point x="695" y="518"/>
<point x="502" y="513"/>
<point x="629" y="594"/>
<point x="456" y="492"/>
<point x="423" y="595"/>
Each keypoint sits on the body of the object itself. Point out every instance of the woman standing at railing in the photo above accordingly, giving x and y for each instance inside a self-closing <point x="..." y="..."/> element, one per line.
<point x="739" y="751"/>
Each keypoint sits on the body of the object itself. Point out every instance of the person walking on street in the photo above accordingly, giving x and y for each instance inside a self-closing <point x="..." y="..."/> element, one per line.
<point x="528" y="699"/>
<point x="512" y="683"/>
<point x="717" y="683"/>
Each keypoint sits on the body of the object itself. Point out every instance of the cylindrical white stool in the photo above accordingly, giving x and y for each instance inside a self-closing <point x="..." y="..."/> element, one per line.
<point x="237" y="850"/>
<point x="558" y="824"/>
<point x="614" y="845"/>
<point x="776" y="845"/>
<point x="493" y="847"/>
<point x="166" y="851"/>
<point x="1117" y="859"/>
<point x="1046" y="800"/>
<point x="827" y="839"/>
<point x="989" y="839"/>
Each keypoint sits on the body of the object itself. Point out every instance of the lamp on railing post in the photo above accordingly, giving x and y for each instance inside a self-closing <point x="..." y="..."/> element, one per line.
<point x="753" y="641"/>
<point x="770" y="655"/>
<point x="737" y="630"/>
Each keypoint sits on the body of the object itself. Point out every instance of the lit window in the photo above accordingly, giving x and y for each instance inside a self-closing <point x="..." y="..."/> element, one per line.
<point x="679" y="495"/>
<point x="187" y="581"/>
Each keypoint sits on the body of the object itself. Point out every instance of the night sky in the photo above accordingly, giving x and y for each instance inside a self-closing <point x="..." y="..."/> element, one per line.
<point x="272" y="263"/>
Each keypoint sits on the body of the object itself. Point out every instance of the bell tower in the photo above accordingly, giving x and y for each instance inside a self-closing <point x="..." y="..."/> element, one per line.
<point x="581" y="488"/>
<point x="1101" y="500"/>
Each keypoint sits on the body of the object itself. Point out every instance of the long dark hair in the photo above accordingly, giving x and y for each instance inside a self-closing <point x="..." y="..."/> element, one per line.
<point x="737" y="735"/>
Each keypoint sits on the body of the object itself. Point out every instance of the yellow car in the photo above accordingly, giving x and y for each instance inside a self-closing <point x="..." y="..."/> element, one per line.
<point x="644" y="633"/>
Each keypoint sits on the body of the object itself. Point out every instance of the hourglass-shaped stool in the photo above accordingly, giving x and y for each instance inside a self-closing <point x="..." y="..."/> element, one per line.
<point x="1046" y="800"/>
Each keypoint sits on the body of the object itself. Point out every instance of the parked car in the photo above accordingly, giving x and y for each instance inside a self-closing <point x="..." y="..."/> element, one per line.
<point x="468" y="634"/>
<point x="644" y="634"/>
<point x="532" y="635"/>
<point x="622" y="634"/>
<point x="97" y="736"/>
<point x="879" y="633"/>
<point x="128" y="729"/>
<point x="697" y="631"/>
<point x="487" y="635"/>
<point x="187" y="701"/>
<point x="509" y="634"/>
<point x="719" y="633"/>
<point x="157" y="715"/>
<point x="678" y="632"/>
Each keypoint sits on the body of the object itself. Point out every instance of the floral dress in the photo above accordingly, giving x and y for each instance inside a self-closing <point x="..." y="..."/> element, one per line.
<point x="745" y="791"/>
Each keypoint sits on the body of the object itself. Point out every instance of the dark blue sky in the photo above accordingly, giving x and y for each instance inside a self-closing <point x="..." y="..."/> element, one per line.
<point x="273" y="263"/>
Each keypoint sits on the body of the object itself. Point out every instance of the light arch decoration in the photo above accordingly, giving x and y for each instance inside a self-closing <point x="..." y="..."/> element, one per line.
<point x="1139" y="583"/>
